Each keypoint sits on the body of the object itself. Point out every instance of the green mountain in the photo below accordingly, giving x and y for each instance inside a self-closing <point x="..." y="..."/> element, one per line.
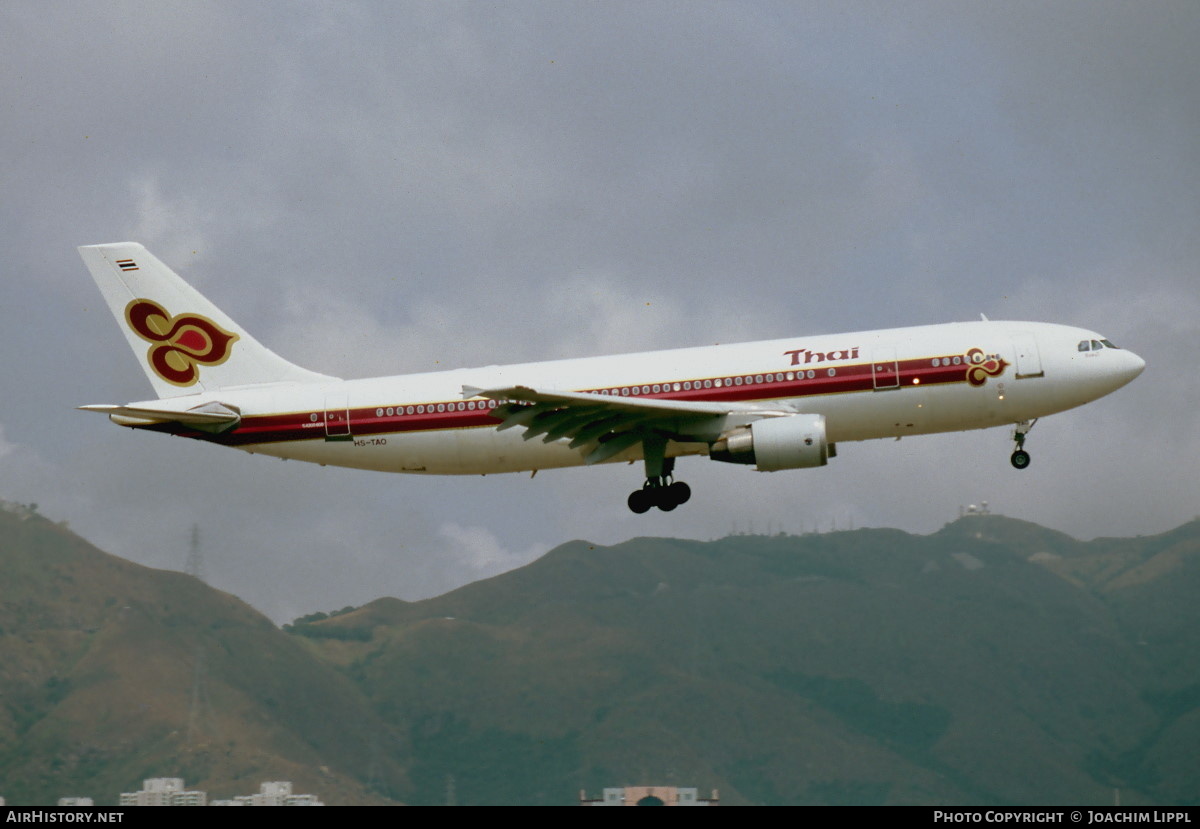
<point x="112" y="672"/>
<point x="993" y="662"/>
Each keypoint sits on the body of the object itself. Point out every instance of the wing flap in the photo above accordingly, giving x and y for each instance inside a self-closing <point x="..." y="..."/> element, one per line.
<point x="611" y="448"/>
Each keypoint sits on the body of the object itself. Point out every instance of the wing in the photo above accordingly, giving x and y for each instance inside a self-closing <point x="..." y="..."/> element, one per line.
<point x="606" y="425"/>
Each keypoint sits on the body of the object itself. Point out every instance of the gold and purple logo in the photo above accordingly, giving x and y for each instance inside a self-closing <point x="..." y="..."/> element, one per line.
<point x="981" y="366"/>
<point x="179" y="344"/>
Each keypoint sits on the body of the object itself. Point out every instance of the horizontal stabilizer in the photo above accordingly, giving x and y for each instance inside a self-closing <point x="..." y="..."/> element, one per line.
<point x="210" y="417"/>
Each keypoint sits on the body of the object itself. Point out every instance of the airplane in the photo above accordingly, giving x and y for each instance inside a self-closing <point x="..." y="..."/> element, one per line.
<point x="773" y="405"/>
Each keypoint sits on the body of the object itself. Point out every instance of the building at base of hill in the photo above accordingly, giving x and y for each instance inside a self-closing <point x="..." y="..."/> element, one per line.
<point x="649" y="796"/>
<point x="164" y="791"/>
<point x="275" y="793"/>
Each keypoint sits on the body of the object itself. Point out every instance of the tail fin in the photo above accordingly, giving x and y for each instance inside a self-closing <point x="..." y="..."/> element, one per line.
<point x="184" y="343"/>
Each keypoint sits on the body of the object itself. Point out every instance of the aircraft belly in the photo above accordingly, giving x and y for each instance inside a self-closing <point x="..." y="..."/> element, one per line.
<point x="451" y="452"/>
<point x="919" y="411"/>
<point x="481" y="451"/>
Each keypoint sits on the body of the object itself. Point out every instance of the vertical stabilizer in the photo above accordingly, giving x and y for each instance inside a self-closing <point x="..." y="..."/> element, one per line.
<point x="185" y="344"/>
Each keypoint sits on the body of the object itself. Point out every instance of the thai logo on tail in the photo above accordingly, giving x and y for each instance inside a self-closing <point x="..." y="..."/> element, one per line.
<point x="982" y="366"/>
<point x="179" y="344"/>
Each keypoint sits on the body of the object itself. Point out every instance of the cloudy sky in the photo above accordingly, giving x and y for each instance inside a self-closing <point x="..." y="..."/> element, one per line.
<point x="389" y="187"/>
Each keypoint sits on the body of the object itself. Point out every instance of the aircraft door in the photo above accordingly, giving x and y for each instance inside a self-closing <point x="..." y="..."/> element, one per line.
<point x="337" y="417"/>
<point x="1029" y="361"/>
<point x="884" y="369"/>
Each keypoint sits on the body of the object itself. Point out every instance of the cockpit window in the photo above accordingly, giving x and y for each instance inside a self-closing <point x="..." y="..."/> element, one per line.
<point x="1108" y="344"/>
<point x="1084" y="345"/>
<point x="1095" y="345"/>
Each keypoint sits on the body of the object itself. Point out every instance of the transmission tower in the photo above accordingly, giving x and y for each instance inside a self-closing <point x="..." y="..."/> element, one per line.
<point x="195" y="563"/>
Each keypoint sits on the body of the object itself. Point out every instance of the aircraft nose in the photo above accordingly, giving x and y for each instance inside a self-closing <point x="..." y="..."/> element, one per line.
<point x="1131" y="366"/>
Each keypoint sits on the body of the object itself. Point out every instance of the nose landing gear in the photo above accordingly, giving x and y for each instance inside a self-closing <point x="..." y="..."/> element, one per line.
<point x="1020" y="458"/>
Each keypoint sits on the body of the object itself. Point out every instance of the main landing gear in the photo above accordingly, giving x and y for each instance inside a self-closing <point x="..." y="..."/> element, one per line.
<point x="661" y="489"/>
<point x="659" y="492"/>
<point x="1020" y="458"/>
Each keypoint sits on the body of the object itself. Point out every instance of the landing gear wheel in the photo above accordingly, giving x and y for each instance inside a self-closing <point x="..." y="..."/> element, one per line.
<point x="640" y="500"/>
<point x="1020" y="458"/>
<point x="681" y="493"/>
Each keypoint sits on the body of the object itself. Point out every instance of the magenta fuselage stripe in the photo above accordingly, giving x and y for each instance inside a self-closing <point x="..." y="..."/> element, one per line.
<point x="295" y="426"/>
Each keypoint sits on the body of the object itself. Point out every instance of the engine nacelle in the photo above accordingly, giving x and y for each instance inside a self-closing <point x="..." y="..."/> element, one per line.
<point x="773" y="443"/>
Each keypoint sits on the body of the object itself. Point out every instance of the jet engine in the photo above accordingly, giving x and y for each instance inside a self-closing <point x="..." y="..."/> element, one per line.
<point x="773" y="443"/>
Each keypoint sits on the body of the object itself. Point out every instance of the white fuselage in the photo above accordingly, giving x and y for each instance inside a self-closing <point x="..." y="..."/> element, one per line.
<point x="874" y="384"/>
